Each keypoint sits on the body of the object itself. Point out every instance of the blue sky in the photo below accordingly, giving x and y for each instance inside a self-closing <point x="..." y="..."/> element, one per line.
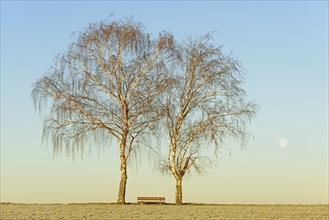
<point x="282" y="45"/>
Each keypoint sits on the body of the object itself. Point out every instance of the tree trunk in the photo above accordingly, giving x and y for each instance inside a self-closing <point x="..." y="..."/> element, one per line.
<point x="123" y="170"/>
<point x="179" y="192"/>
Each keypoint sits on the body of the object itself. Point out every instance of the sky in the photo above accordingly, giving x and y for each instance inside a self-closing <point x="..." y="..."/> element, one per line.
<point x="283" y="47"/>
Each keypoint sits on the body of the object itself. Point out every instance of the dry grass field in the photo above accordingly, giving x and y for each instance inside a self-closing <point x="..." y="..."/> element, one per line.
<point x="149" y="211"/>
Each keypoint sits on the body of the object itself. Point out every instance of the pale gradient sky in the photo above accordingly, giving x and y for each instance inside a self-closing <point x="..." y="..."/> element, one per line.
<point x="282" y="45"/>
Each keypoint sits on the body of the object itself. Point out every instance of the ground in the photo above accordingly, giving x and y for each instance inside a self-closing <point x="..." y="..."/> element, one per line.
<point x="167" y="211"/>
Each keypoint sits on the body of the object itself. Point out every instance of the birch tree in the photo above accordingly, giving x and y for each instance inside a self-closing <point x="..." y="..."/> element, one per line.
<point x="105" y="85"/>
<point x="204" y="105"/>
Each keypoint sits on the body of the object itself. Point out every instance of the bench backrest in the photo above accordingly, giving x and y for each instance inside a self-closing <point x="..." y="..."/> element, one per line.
<point x="151" y="198"/>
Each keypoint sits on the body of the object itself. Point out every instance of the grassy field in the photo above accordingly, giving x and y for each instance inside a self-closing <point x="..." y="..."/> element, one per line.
<point x="149" y="211"/>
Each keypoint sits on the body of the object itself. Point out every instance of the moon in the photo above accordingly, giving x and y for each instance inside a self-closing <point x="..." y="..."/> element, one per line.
<point x="283" y="142"/>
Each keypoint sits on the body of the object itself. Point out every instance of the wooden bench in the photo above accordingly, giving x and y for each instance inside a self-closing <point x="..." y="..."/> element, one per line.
<point x="143" y="199"/>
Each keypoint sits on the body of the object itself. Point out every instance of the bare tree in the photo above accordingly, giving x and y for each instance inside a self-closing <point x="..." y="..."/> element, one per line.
<point x="105" y="85"/>
<point x="204" y="105"/>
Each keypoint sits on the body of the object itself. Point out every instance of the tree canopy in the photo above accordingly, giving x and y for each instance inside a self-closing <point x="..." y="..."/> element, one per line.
<point x="105" y="85"/>
<point x="204" y="105"/>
